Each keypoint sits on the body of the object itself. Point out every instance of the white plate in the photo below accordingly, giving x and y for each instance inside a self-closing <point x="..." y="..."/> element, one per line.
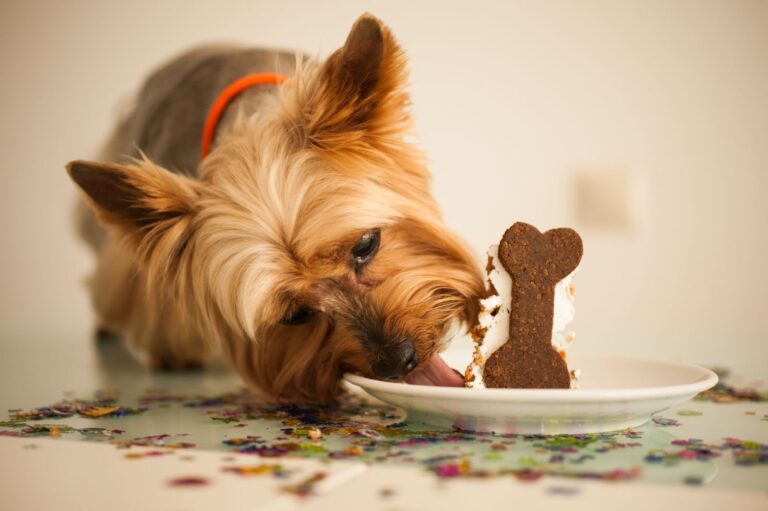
<point x="613" y="394"/>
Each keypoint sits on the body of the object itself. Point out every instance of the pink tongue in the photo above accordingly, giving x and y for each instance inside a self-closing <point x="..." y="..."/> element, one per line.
<point x="435" y="372"/>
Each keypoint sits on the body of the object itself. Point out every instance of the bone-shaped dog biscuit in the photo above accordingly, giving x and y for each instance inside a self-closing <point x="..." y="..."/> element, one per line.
<point x="536" y="262"/>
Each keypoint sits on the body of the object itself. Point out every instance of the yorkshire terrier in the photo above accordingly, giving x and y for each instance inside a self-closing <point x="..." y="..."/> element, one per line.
<point x="307" y="244"/>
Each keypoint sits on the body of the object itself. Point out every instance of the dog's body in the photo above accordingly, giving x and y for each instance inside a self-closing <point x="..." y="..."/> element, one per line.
<point x="305" y="245"/>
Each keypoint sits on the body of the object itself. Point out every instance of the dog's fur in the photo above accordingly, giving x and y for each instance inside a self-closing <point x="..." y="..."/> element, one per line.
<point x="212" y="255"/>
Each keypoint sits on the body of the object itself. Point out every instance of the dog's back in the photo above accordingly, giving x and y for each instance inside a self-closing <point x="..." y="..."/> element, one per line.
<point x="165" y="120"/>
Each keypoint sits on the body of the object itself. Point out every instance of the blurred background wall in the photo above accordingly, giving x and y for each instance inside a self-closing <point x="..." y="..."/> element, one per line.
<point x="643" y="124"/>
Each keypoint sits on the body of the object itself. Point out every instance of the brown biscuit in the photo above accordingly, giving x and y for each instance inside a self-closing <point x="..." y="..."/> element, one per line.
<point x="536" y="263"/>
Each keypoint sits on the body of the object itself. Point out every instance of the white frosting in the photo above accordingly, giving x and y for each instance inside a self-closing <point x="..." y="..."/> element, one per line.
<point x="496" y="309"/>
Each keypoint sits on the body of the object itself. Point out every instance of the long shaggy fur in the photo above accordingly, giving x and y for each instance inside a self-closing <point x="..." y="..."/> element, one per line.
<point x="196" y="265"/>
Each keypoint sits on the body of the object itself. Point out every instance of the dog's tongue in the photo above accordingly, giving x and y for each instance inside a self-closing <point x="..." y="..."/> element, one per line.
<point x="435" y="372"/>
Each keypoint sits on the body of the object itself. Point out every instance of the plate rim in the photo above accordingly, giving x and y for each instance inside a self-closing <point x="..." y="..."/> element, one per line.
<point x="706" y="380"/>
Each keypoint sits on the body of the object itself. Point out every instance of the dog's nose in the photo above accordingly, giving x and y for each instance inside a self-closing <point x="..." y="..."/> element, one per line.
<point x="398" y="361"/>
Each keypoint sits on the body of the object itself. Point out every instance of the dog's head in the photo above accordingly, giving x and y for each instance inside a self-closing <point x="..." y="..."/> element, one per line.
<point x="310" y="245"/>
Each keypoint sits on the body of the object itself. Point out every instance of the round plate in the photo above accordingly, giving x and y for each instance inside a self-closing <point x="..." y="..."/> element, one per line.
<point x="613" y="394"/>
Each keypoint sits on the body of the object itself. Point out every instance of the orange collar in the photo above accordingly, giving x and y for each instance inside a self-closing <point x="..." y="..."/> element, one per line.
<point x="225" y="98"/>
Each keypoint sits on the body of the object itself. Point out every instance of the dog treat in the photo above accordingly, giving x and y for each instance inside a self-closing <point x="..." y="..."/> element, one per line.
<point x="521" y="337"/>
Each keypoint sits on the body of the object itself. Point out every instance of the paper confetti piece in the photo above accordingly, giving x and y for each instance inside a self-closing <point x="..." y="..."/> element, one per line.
<point x="689" y="413"/>
<point x="306" y="487"/>
<point x="189" y="482"/>
<point x="258" y="470"/>
<point x="226" y="420"/>
<point x="661" y="421"/>
<point x="99" y="411"/>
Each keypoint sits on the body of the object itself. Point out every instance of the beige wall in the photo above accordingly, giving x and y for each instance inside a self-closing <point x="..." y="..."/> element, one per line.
<point x="515" y="103"/>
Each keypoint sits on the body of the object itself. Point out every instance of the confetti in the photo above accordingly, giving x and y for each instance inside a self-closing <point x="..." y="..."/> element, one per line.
<point x="189" y="482"/>
<point x="154" y="441"/>
<point x="724" y="393"/>
<point x="226" y="420"/>
<point x="306" y="487"/>
<point x="744" y="452"/>
<point x="358" y="429"/>
<point x="145" y="454"/>
<point x="689" y="413"/>
<point x="22" y="429"/>
<point x="100" y="433"/>
<point x="104" y="404"/>
<point x="99" y="411"/>
<point x="245" y="441"/>
<point x="661" y="421"/>
<point x="258" y="470"/>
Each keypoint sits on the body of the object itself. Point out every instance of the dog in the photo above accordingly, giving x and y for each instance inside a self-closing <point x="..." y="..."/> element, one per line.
<point x="305" y="245"/>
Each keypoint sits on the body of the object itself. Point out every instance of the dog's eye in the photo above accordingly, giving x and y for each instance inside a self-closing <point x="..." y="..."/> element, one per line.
<point x="367" y="246"/>
<point x="298" y="316"/>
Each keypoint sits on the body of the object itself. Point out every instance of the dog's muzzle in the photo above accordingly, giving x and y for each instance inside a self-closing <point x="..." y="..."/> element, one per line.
<point x="397" y="361"/>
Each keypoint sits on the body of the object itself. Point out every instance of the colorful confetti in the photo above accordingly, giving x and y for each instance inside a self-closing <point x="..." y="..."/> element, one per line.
<point x="146" y="454"/>
<point x="154" y="441"/>
<point x="22" y="429"/>
<point x="258" y="470"/>
<point x="103" y="405"/>
<point x="724" y="393"/>
<point x="375" y="434"/>
<point x="744" y="452"/>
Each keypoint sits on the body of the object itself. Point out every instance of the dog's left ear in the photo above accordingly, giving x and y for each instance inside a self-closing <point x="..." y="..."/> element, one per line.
<point x="146" y="203"/>
<point x="134" y="197"/>
<point x="359" y="90"/>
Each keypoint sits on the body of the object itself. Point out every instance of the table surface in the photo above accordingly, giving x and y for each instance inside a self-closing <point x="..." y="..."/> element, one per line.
<point x="202" y="427"/>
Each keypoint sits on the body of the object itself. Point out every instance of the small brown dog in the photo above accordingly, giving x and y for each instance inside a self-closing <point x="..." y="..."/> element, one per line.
<point x="306" y="245"/>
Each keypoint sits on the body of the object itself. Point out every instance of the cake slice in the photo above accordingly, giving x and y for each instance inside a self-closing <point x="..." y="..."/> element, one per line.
<point x="521" y="337"/>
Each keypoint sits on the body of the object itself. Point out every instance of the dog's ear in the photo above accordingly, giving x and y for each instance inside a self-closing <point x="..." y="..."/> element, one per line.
<point x="138" y="198"/>
<point x="359" y="89"/>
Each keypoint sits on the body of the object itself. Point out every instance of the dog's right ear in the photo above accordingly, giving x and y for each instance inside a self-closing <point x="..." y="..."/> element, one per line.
<point x="359" y="92"/>
<point x="139" y="198"/>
